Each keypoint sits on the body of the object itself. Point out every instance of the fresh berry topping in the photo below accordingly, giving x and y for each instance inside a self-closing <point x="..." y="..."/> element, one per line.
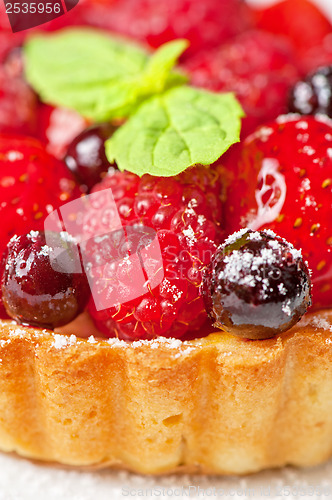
<point x="259" y="67"/>
<point x="18" y="105"/>
<point x="32" y="184"/>
<point x="300" y="20"/>
<point x="57" y="127"/>
<point x="256" y="285"/>
<point x="314" y="94"/>
<point x="86" y="156"/>
<point x="181" y="216"/>
<point x="204" y="24"/>
<point x="282" y="181"/>
<point x="34" y="293"/>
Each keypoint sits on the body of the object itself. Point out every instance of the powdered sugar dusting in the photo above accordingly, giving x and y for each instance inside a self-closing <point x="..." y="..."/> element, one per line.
<point x="62" y="341"/>
<point x="170" y="343"/>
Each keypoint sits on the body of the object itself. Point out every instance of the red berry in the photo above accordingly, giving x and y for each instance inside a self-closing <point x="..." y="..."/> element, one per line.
<point x="177" y="213"/>
<point x="282" y="180"/>
<point x="204" y="24"/>
<point x="34" y="291"/>
<point x="32" y="184"/>
<point x="320" y="55"/>
<point x="300" y="20"/>
<point x="8" y="42"/>
<point x="259" y="67"/>
<point x="18" y="104"/>
<point x="313" y="95"/>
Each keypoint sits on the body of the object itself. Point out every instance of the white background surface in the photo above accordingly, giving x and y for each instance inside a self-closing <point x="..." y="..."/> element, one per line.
<point x="24" y="480"/>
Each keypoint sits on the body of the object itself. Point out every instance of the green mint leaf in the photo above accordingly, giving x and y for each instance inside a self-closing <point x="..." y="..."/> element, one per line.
<point x="172" y="131"/>
<point x="159" y="68"/>
<point x="99" y="76"/>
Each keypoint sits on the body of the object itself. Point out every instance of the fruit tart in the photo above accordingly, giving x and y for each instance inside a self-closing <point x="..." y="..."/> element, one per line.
<point x="166" y="276"/>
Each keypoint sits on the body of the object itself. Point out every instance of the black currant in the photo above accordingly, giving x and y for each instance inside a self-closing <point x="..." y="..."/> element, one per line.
<point x="256" y="285"/>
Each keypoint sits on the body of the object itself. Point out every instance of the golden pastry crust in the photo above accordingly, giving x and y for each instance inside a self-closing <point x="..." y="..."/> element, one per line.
<point x="214" y="405"/>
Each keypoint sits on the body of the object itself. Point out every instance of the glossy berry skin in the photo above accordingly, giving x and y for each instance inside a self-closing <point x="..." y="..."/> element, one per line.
<point x="32" y="185"/>
<point x="204" y="24"/>
<point x="18" y="104"/>
<point x="36" y="294"/>
<point x="259" y="67"/>
<point x="282" y="181"/>
<point x="301" y="21"/>
<point x="256" y="285"/>
<point x="184" y="214"/>
<point x="86" y="156"/>
<point x="313" y="95"/>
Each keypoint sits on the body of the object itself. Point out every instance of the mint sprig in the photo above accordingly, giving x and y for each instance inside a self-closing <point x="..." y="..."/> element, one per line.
<point x="101" y="77"/>
<point x="172" y="131"/>
<point x="169" y="127"/>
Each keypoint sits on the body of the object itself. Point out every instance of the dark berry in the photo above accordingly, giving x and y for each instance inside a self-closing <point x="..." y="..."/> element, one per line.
<point x="34" y="291"/>
<point x="86" y="156"/>
<point x="313" y="95"/>
<point x="256" y="285"/>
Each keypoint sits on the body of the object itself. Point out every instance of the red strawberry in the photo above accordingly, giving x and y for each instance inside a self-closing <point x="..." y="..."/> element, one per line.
<point x="18" y="104"/>
<point x="32" y="183"/>
<point x="300" y="20"/>
<point x="283" y="181"/>
<point x="204" y="24"/>
<point x="183" y="214"/>
<point x="259" y="67"/>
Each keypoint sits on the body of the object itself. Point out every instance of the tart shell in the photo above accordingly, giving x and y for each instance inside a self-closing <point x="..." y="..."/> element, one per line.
<point x="218" y="405"/>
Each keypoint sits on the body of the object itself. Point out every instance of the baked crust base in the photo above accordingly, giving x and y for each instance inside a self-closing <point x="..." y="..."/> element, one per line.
<point x="216" y="405"/>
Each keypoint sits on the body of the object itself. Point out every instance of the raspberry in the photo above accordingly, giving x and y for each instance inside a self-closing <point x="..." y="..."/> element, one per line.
<point x="184" y="214"/>
<point x="204" y="24"/>
<point x="257" y="66"/>
<point x="282" y="181"/>
<point x="256" y="285"/>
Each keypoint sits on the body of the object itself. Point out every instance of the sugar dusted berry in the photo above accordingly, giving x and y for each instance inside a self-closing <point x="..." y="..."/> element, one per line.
<point x="34" y="291"/>
<point x="86" y="156"/>
<point x="256" y="285"/>
<point x="313" y="95"/>
<point x="182" y="214"/>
